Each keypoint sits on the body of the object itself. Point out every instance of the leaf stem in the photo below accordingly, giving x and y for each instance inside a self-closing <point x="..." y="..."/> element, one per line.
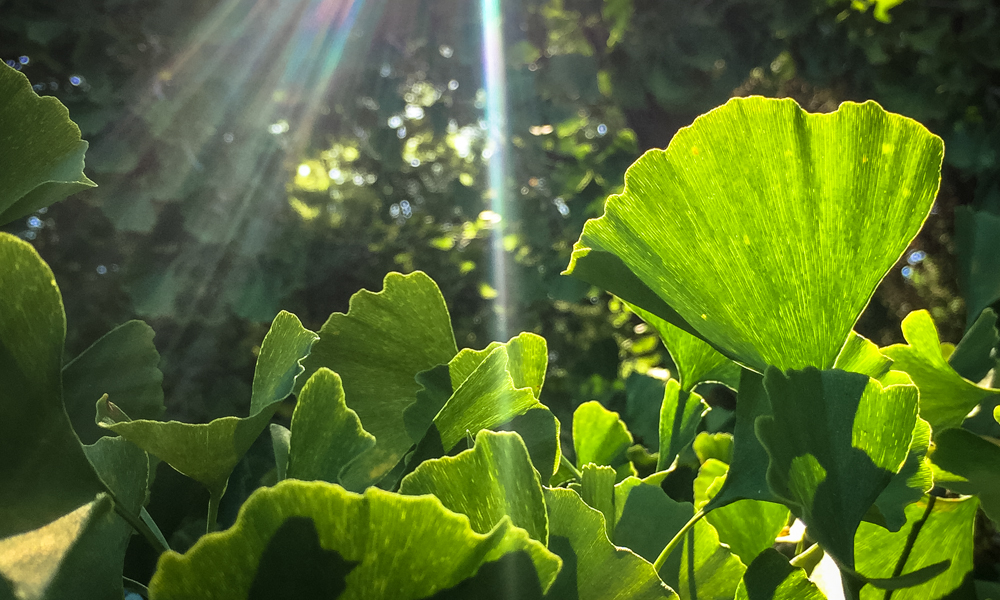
<point x="662" y="558"/>
<point x="156" y="541"/>
<point x="911" y="540"/>
<point x="569" y="467"/>
<point x="213" y="512"/>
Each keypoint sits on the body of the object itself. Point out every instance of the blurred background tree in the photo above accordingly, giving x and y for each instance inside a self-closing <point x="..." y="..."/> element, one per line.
<point x="254" y="155"/>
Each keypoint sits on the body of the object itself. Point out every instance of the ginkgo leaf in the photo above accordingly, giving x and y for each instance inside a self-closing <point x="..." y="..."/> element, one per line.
<point x="377" y="348"/>
<point x="208" y="452"/>
<point x="44" y="473"/>
<point x="492" y="480"/>
<point x="680" y="415"/>
<point x="599" y="435"/>
<point x="41" y="151"/>
<point x="945" y="396"/>
<point x="763" y="229"/>
<point x="401" y="547"/>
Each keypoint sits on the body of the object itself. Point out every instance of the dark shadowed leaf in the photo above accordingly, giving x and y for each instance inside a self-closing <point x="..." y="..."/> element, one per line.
<point x="977" y="244"/>
<point x="512" y="576"/>
<point x="945" y="396"/>
<point x="295" y="565"/>
<point x="817" y="208"/>
<point x="378" y="348"/>
<point x="44" y="473"/>
<point x="968" y="464"/>
<point x="124" y="364"/>
<point x="492" y="480"/>
<point x="835" y="440"/>
<point x="281" y="439"/>
<point x="680" y="415"/>
<point x="973" y="356"/>
<point x="41" y="151"/>
<point x="909" y="485"/>
<point x="404" y="547"/>
<point x="326" y="435"/>
<point x="770" y="577"/>
<point x="208" y="452"/>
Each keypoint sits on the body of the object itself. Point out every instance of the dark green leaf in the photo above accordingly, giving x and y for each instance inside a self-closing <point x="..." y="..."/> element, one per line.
<point x="208" y="452"/>
<point x="835" y="439"/>
<point x="378" y="348"/>
<point x="973" y="357"/>
<point x="492" y="480"/>
<point x="42" y="152"/>
<point x="405" y="547"/>
<point x="281" y="439"/>
<point x="643" y="399"/>
<point x="909" y="485"/>
<point x="943" y="530"/>
<point x="807" y="212"/>
<point x="977" y="244"/>
<point x="512" y="576"/>
<point x="945" y="396"/>
<point x="44" y="473"/>
<point x="326" y="435"/>
<point x="124" y="364"/>
<point x="593" y="568"/>
<point x="968" y="464"/>
<point x="770" y="577"/>
<point x="680" y="415"/>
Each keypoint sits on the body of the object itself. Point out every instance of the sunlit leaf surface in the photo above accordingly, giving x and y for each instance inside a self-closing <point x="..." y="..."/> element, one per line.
<point x="680" y="416"/>
<point x="599" y="435"/>
<point x="946" y="528"/>
<point x="326" y="435"/>
<point x="41" y="151"/>
<point x="764" y="229"/>
<point x="945" y="396"/>
<point x="593" y="568"/>
<point x="377" y="348"/>
<point x="403" y="547"/>
<point x="492" y="480"/>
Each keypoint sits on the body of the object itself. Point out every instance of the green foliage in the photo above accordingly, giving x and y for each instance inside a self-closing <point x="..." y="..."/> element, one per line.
<point x="828" y="427"/>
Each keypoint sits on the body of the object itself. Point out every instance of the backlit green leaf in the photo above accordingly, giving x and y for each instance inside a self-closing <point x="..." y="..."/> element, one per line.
<point x="968" y="464"/>
<point x="593" y="568"/>
<point x="377" y="348"/>
<point x="44" y="473"/>
<point x="124" y="364"/>
<point x="281" y="439"/>
<point x="770" y="577"/>
<point x="945" y="396"/>
<point x="599" y="435"/>
<point x="764" y="229"/>
<point x="860" y="355"/>
<point x="748" y="527"/>
<point x="835" y="440"/>
<point x="42" y="152"/>
<point x="680" y="415"/>
<point x="326" y="435"/>
<point x="696" y="361"/>
<point x="405" y="547"/>
<point x="909" y="485"/>
<point x="713" y="445"/>
<point x="945" y="533"/>
<point x="208" y="452"/>
<point x="597" y="488"/>
<point x="492" y="480"/>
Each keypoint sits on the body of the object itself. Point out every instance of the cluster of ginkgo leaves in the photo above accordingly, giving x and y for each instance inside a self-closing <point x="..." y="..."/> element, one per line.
<point x="413" y="469"/>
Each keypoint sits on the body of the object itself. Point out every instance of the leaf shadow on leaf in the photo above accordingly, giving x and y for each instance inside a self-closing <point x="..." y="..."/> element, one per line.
<point x="513" y="576"/>
<point x="294" y="565"/>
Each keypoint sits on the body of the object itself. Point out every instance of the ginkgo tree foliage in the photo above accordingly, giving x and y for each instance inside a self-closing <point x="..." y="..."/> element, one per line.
<point x="414" y="469"/>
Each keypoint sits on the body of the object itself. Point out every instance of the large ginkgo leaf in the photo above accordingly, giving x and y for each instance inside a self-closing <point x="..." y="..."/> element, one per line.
<point x="764" y="229"/>
<point x="378" y="348"/>
<point x="399" y="547"/>
<point x="44" y="473"/>
<point x="41" y="150"/>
